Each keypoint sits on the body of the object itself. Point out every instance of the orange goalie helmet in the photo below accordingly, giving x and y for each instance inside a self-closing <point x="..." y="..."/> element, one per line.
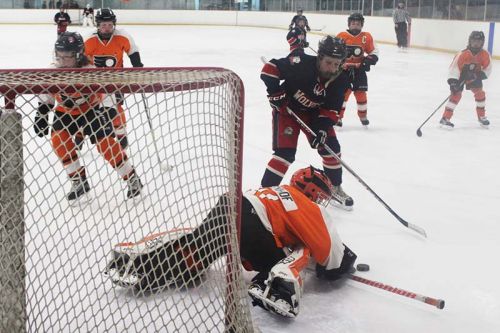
<point x="314" y="184"/>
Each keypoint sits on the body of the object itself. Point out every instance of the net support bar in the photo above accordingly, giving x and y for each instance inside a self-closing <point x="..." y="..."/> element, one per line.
<point x="12" y="262"/>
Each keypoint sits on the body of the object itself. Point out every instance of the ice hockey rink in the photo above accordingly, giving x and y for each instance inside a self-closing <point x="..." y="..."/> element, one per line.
<point x="445" y="181"/>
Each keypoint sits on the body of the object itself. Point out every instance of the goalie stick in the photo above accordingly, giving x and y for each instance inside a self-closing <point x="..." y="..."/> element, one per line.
<point x="438" y="303"/>
<point x="413" y="227"/>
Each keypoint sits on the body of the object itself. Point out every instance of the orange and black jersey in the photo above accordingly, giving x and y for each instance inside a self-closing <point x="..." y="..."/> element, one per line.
<point x="364" y="40"/>
<point x="303" y="86"/>
<point x="294" y="220"/>
<point x="481" y="64"/>
<point x="102" y="53"/>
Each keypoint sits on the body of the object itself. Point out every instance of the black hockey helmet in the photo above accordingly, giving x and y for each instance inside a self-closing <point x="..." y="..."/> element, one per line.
<point x="105" y="15"/>
<point x="356" y="17"/>
<point x="476" y="35"/>
<point x="333" y="47"/>
<point x="71" y="42"/>
<point x="300" y="11"/>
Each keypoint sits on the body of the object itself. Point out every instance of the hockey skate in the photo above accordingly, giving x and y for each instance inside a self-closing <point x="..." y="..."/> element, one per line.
<point x="341" y="199"/>
<point x="484" y="122"/>
<point x="446" y="124"/>
<point x="79" y="187"/>
<point x="364" y="121"/>
<point x="278" y="298"/>
<point x="134" y="186"/>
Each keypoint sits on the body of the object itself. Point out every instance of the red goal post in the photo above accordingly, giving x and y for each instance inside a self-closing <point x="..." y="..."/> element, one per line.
<point x="55" y="252"/>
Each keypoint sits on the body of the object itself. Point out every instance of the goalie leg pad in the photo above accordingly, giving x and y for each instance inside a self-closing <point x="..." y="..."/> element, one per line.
<point x="154" y="262"/>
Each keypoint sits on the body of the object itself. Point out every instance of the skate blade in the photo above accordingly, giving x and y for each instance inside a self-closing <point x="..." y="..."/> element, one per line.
<point x="271" y="306"/>
<point x="446" y="128"/>
<point x="83" y="200"/>
<point x="485" y="126"/>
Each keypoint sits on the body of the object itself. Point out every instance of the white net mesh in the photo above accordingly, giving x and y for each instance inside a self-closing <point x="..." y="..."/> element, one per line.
<point x="184" y="129"/>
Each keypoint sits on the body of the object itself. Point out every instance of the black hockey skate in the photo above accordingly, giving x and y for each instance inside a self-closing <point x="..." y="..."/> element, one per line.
<point x="364" y="121"/>
<point x="446" y="123"/>
<point x="341" y="199"/>
<point x="79" y="187"/>
<point x="279" y="298"/>
<point x="134" y="186"/>
<point x="484" y="122"/>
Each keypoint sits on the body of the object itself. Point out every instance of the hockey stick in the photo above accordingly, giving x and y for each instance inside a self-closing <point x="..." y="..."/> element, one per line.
<point x="419" y="130"/>
<point x="336" y="157"/>
<point x="163" y="165"/>
<point x="438" y="303"/>
<point x="320" y="29"/>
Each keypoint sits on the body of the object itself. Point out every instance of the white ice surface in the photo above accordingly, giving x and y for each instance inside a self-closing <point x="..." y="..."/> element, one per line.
<point x="446" y="181"/>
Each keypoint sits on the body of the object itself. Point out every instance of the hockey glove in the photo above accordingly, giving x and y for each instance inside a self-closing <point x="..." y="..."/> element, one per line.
<point x="278" y="100"/>
<point x="42" y="120"/>
<point x="320" y="126"/>
<point x="306" y="44"/>
<point x="346" y="266"/>
<point x="455" y="86"/>
<point x="370" y="60"/>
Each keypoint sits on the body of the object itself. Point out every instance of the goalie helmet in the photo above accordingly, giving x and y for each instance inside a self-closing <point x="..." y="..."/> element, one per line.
<point x="72" y="43"/>
<point x="356" y="17"/>
<point x="333" y="47"/>
<point x="314" y="184"/>
<point x="105" y="15"/>
<point x="476" y="35"/>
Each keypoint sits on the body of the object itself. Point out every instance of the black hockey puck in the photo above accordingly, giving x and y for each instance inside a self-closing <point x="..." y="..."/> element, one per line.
<point x="363" y="267"/>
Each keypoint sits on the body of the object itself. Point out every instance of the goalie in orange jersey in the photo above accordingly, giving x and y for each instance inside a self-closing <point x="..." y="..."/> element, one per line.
<point x="362" y="54"/>
<point x="74" y="112"/>
<point x="105" y="48"/>
<point x="283" y="229"/>
<point x="470" y="67"/>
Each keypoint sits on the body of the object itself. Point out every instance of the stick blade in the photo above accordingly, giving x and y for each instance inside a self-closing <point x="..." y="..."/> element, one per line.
<point x="418" y="229"/>
<point x="419" y="133"/>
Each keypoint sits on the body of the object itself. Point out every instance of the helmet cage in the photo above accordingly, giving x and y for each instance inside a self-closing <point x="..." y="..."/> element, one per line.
<point x="314" y="184"/>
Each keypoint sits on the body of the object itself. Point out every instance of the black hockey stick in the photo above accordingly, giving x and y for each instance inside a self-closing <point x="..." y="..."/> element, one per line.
<point x="461" y="84"/>
<point x="419" y="130"/>
<point x="348" y="168"/>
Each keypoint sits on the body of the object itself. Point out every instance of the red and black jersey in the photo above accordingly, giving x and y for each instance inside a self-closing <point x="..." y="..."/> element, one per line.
<point x="298" y="75"/>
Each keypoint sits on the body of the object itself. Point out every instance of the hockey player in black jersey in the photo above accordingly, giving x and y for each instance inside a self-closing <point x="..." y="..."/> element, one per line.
<point x="296" y="18"/>
<point x="297" y="37"/>
<point x="313" y="88"/>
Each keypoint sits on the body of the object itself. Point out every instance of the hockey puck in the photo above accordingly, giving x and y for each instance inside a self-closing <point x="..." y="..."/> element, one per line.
<point x="363" y="267"/>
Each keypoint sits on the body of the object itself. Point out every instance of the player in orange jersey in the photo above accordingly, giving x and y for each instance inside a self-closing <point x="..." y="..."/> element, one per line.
<point x="470" y="67"/>
<point x="105" y="48"/>
<point x="74" y="112"/>
<point x="363" y="53"/>
<point x="283" y="229"/>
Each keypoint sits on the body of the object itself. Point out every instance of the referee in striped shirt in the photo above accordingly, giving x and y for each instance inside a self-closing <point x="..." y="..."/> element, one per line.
<point x="401" y="17"/>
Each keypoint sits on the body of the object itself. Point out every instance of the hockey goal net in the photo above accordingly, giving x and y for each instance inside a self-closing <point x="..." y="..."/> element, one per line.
<point x="185" y="132"/>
